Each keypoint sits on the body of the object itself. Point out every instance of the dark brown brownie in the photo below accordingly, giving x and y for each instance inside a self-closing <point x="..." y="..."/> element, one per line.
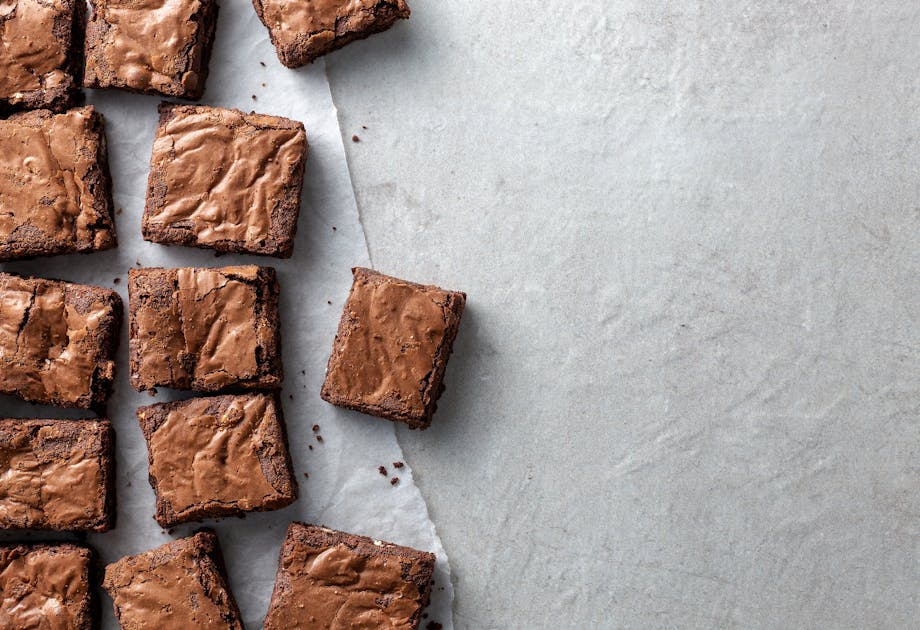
<point x="46" y="586"/>
<point x="392" y="347"/>
<point x="57" y="341"/>
<point x="41" y="53"/>
<point x="150" y="46"/>
<point x="62" y="202"/>
<point x="181" y="584"/>
<point x="303" y="30"/>
<point x="225" y="180"/>
<point x="58" y="475"/>
<point x="217" y="456"/>
<point x="330" y="579"/>
<point x="204" y="329"/>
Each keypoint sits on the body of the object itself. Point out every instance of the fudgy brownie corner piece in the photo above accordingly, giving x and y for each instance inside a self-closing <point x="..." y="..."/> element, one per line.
<point x="150" y="47"/>
<point x="183" y="583"/>
<point x="58" y="341"/>
<point x="302" y="30"/>
<point x="46" y="586"/>
<point x="222" y="179"/>
<point x="204" y="329"/>
<point x="392" y="346"/>
<point x="328" y="578"/>
<point x="62" y="202"/>
<point x="41" y="54"/>
<point x="217" y="456"/>
<point x="59" y="475"/>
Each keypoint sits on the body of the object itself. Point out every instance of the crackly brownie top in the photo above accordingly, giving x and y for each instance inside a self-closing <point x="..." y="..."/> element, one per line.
<point x="53" y="473"/>
<point x="328" y="579"/>
<point x="34" y="41"/>
<point x="292" y="20"/>
<point x="224" y="174"/>
<point x="52" y="194"/>
<point x="50" y="338"/>
<point x="222" y="449"/>
<point x="177" y="585"/>
<point x="45" y="586"/>
<point x="146" y="44"/>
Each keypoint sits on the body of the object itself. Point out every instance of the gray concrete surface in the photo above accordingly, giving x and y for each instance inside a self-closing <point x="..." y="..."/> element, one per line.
<point x="685" y="393"/>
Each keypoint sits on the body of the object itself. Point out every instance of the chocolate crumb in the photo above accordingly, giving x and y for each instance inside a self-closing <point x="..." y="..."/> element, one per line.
<point x="119" y="211"/>
<point x="382" y="470"/>
<point x="137" y="262"/>
<point x="333" y="228"/>
<point x="363" y="126"/>
<point x="394" y="481"/>
<point x="129" y="484"/>
<point x="254" y="97"/>
<point x="116" y="280"/>
<point x="262" y="63"/>
<point x="319" y="438"/>
<point x="263" y="85"/>
<point x="291" y="396"/>
<point x="171" y="531"/>
<point x="152" y="391"/>
<point x="355" y="139"/>
<point x="328" y="301"/>
<point x="315" y="428"/>
<point x="433" y="625"/>
<point x="398" y="464"/>
<point x="310" y="446"/>
<point x="303" y="371"/>
<point x="307" y="475"/>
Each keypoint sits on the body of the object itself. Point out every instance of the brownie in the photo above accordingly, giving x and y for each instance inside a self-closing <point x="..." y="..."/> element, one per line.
<point x="181" y="584"/>
<point x="46" y="586"/>
<point x="221" y="179"/>
<point x="330" y="579"/>
<point x="41" y="53"/>
<point x="391" y="350"/>
<point x="55" y="195"/>
<point x="150" y="46"/>
<point x="204" y="329"/>
<point x="303" y="30"/>
<point x="57" y="341"/>
<point x="57" y="474"/>
<point x="217" y="456"/>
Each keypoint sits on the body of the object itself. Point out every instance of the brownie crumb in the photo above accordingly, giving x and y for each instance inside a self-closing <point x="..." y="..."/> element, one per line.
<point x="152" y="391"/>
<point x="170" y="531"/>
<point x="119" y="211"/>
<point x="306" y="475"/>
<point x="310" y="446"/>
<point x="398" y="464"/>
<point x="262" y="63"/>
<point x="254" y="97"/>
<point x="319" y="438"/>
<point x="363" y="126"/>
<point x="137" y="262"/>
<point x="291" y="396"/>
<point x="333" y="228"/>
<point x="116" y="280"/>
<point x="394" y="481"/>
<point x="328" y="301"/>
<point x="263" y="85"/>
<point x="355" y="139"/>
<point x="315" y="428"/>
<point x="303" y="371"/>
<point x="382" y="470"/>
<point x="433" y="625"/>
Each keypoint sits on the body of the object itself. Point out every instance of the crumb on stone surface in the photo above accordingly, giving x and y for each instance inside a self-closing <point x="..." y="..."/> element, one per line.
<point x="398" y="464"/>
<point x="319" y="438"/>
<point x="307" y="475"/>
<point x="394" y="481"/>
<point x="291" y="396"/>
<point x="382" y="470"/>
<point x="315" y="428"/>
<point x="152" y="391"/>
<point x="310" y="446"/>
<point x="328" y="301"/>
<point x="333" y="228"/>
<point x="119" y="211"/>
<point x="262" y="63"/>
<point x="433" y="625"/>
<point x="254" y="97"/>
<point x="355" y="138"/>
<point x="116" y="280"/>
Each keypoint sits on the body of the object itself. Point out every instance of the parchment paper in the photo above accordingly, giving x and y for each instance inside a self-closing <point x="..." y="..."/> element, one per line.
<point x="344" y="489"/>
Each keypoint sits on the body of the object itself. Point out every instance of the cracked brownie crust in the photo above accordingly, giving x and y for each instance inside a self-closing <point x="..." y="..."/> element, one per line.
<point x="61" y="203"/>
<point x="59" y="475"/>
<point x="57" y="341"/>
<point x="303" y="30"/>
<point x="204" y="329"/>
<point x="392" y="346"/>
<point x="330" y="579"/>
<point x="217" y="456"/>
<point x="225" y="180"/>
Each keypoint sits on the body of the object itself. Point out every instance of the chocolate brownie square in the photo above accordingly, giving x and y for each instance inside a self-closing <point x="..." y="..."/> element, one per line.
<point x="181" y="584"/>
<point x="41" y="53"/>
<point x="204" y="329"/>
<point x="225" y="180"/>
<point x="57" y="341"/>
<point x="150" y="46"/>
<point x="57" y="474"/>
<point x="55" y="196"/>
<point x="303" y="30"/>
<point x="217" y="456"/>
<point x="391" y="350"/>
<point x="330" y="579"/>
<point x="46" y="586"/>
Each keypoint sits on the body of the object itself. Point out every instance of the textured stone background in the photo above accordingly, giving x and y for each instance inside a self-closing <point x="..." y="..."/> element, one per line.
<point x="685" y="393"/>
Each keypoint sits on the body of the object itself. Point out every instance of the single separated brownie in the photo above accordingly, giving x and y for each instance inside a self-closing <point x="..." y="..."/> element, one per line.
<point x="225" y="180"/>
<point x="55" y="196"/>
<point x="217" y="456"/>
<point x="57" y="474"/>
<point x="41" y="53"/>
<point x="150" y="46"/>
<point x="392" y="347"/>
<point x="330" y="579"/>
<point x="57" y="341"/>
<point x="181" y="584"/>
<point x="204" y="329"/>
<point x="46" y="586"/>
<point x="303" y="30"/>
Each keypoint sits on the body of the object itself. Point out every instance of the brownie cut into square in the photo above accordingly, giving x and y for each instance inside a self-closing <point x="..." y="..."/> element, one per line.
<point x="41" y="53"/>
<point x="55" y="191"/>
<point x="182" y="584"/>
<point x="46" y="586"/>
<point x="303" y="30"/>
<point x="392" y="346"/>
<point x="330" y="579"/>
<point x="217" y="456"/>
<point x="58" y="341"/>
<point x="57" y="475"/>
<point x="204" y="329"/>
<point x="221" y="179"/>
<point x="150" y="46"/>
